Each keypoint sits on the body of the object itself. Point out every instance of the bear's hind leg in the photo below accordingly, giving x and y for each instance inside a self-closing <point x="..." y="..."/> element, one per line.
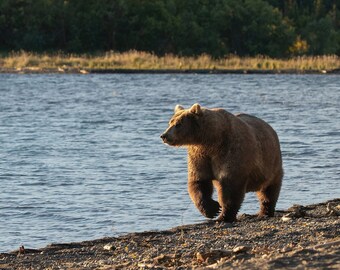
<point x="200" y="193"/>
<point x="268" y="198"/>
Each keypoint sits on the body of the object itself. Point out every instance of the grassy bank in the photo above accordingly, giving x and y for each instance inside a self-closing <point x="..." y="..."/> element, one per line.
<point x="141" y="60"/>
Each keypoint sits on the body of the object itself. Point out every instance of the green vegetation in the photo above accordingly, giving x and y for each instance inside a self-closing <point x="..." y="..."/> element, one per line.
<point x="148" y="61"/>
<point x="274" y="28"/>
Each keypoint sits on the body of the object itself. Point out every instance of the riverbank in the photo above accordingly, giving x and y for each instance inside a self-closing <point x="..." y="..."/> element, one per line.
<point x="301" y="237"/>
<point x="159" y="71"/>
<point x="142" y="62"/>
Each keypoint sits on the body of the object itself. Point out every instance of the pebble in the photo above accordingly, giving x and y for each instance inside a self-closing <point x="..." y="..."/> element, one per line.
<point x="241" y="249"/>
<point x="212" y="255"/>
<point x="285" y="249"/>
<point x="249" y="242"/>
<point x="109" y="247"/>
<point x="226" y="225"/>
<point x="287" y="217"/>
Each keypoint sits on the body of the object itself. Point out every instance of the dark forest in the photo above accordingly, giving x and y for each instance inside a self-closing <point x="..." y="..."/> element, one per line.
<point x="275" y="28"/>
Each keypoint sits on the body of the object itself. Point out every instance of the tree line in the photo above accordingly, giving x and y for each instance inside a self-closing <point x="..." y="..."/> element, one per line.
<point x="276" y="28"/>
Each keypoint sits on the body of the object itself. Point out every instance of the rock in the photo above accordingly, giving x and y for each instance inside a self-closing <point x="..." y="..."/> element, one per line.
<point x="332" y="210"/>
<point x="145" y="265"/>
<point x="226" y="225"/>
<point x="163" y="258"/>
<point x="109" y="247"/>
<point x="212" y="255"/>
<point x="159" y="259"/>
<point x="241" y="249"/>
<point x="218" y="264"/>
<point x="286" y="249"/>
<point x="288" y="217"/>
<point x="201" y="257"/>
<point x="297" y="211"/>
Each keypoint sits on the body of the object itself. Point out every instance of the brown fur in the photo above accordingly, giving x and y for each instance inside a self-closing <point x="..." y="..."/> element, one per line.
<point x="234" y="153"/>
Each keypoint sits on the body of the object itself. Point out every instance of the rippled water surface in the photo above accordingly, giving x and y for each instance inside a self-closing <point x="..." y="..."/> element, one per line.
<point x="81" y="156"/>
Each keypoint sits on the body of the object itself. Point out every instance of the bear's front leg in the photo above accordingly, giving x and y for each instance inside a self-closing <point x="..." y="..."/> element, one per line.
<point x="230" y="196"/>
<point x="200" y="193"/>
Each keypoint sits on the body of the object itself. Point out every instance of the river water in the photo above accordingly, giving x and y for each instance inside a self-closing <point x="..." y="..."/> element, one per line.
<point x="81" y="156"/>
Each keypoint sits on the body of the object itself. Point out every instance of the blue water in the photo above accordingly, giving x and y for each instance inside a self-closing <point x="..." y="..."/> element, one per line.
<point x="81" y="156"/>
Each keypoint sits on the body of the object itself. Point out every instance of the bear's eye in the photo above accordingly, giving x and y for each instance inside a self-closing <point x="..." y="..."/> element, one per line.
<point x="178" y="125"/>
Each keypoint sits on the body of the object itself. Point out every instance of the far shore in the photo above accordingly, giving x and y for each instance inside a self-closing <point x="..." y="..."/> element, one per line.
<point x="301" y="237"/>
<point x="35" y="70"/>
<point x="143" y="62"/>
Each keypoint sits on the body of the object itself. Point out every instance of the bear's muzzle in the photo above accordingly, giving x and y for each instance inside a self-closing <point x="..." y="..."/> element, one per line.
<point x="166" y="138"/>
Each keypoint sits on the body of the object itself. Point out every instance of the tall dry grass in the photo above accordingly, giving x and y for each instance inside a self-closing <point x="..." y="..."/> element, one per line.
<point x="143" y="60"/>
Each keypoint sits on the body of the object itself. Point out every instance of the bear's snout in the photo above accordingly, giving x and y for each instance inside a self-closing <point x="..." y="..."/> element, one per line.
<point x="163" y="136"/>
<point x="166" y="138"/>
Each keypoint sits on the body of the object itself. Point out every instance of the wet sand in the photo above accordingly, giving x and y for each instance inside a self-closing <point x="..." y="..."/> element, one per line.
<point x="301" y="237"/>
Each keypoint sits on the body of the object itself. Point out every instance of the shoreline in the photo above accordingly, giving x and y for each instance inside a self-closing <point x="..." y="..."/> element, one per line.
<point x="37" y="70"/>
<point x="301" y="237"/>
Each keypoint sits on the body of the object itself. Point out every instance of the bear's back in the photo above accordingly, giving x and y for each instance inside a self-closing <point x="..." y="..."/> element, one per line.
<point x="260" y="127"/>
<point x="266" y="138"/>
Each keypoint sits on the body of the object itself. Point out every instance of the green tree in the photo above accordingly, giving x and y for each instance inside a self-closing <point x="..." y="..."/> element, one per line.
<point x="258" y="28"/>
<point x="203" y="25"/>
<point x="191" y="27"/>
<point x="31" y="25"/>
<point x="322" y="37"/>
<point x="146" y="26"/>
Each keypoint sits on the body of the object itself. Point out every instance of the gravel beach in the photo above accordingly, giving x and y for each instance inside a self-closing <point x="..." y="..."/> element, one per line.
<point x="301" y="237"/>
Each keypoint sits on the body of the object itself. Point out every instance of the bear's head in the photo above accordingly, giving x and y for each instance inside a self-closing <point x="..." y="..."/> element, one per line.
<point x="183" y="126"/>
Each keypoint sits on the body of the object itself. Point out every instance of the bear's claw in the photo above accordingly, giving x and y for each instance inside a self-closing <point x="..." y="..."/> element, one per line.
<point x="210" y="209"/>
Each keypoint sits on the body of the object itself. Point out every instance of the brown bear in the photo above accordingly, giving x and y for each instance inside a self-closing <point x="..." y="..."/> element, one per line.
<point x="233" y="153"/>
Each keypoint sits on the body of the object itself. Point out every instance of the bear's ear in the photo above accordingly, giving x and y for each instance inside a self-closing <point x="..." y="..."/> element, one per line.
<point x="178" y="108"/>
<point x="196" y="109"/>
